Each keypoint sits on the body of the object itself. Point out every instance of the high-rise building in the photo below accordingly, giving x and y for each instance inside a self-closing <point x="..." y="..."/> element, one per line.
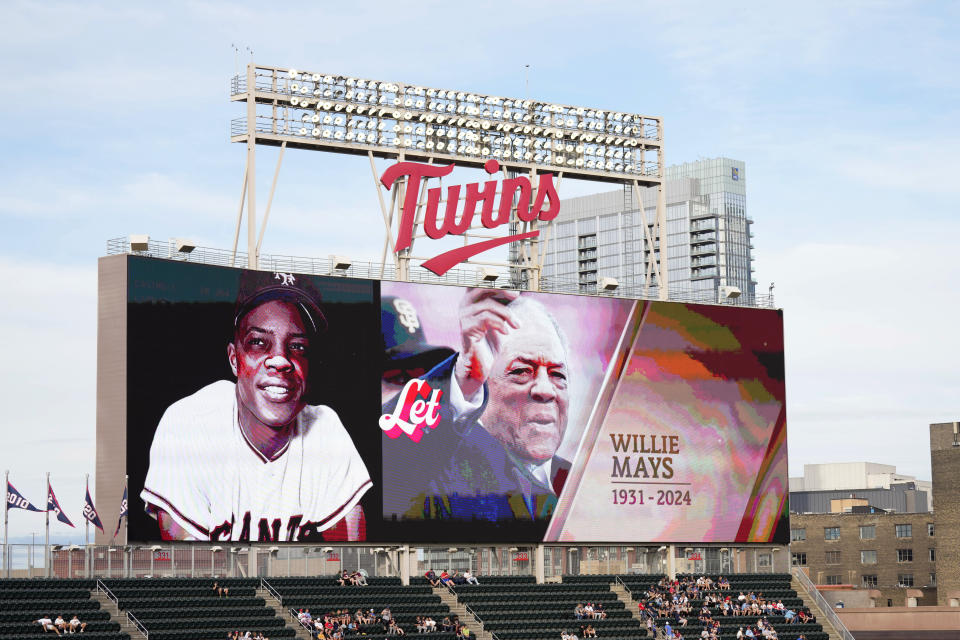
<point x="708" y="235"/>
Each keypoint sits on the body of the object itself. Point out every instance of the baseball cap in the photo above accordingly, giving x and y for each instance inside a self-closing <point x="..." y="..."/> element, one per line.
<point x="405" y="344"/>
<point x="257" y="287"/>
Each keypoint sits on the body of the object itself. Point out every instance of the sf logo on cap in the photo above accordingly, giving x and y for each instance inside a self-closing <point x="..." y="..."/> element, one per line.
<point x="406" y="315"/>
<point x="287" y="278"/>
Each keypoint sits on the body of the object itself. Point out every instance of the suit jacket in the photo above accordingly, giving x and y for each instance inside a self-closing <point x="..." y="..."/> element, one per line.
<point x="458" y="471"/>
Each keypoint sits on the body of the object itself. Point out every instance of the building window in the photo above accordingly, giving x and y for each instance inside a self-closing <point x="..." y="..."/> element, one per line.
<point x="868" y="557"/>
<point x="798" y="535"/>
<point x="833" y="557"/>
<point x="798" y="559"/>
<point x="904" y="530"/>
<point x="930" y="529"/>
<point x="868" y="532"/>
<point x="868" y="580"/>
<point x="834" y="579"/>
<point x="904" y="555"/>
<point x="933" y="555"/>
<point x="831" y="533"/>
<point x="933" y="580"/>
<point x="904" y="579"/>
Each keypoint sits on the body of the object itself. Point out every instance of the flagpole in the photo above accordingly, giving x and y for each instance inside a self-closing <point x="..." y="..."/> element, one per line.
<point x="87" y="529"/>
<point x="6" y="524"/>
<point x="46" y="543"/>
<point x="126" y="523"/>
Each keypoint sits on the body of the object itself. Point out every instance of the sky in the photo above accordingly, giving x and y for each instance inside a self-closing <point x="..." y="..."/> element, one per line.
<point x="116" y="120"/>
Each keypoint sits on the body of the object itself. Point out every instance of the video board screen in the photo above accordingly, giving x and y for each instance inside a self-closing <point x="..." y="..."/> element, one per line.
<point x="253" y="413"/>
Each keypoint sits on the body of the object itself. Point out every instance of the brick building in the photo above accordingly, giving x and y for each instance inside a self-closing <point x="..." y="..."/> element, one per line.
<point x="898" y="558"/>
<point x="945" y="463"/>
<point x="893" y="553"/>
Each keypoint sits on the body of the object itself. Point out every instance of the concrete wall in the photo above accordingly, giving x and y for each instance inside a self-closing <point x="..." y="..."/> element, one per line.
<point x="900" y="619"/>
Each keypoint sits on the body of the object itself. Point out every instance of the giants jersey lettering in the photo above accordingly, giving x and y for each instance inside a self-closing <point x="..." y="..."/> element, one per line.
<point x="211" y="480"/>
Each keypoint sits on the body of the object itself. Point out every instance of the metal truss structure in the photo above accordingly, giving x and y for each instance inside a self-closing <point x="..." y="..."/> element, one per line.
<point x="406" y="122"/>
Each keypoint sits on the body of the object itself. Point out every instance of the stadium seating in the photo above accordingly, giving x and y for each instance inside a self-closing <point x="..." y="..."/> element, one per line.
<point x="25" y="600"/>
<point x="324" y="595"/>
<point x="189" y="608"/>
<point x="520" y="609"/>
<point x="770" y="587"/>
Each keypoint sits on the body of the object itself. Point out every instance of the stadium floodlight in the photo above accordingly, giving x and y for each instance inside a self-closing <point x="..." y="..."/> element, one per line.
<point x="727" y="292"/>
<point x="184" y="246"/>
<point x="216" y="549"/>
<point x="340" y="263"/>
<point x="298" y="93"/>
<point x="156" y="547"/>
<point x="327" y="549"/>
<point x="452" y="550"/>
<point x="274" y="549"/>
<point x="608" y="283"/>
<point x="139" y="242"/>
<point x="487" y="274"/>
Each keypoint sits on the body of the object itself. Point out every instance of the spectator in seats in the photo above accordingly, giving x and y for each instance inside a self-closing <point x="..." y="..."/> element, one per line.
<point x="60" y="623"/>
<point x="589" y="632"/>
<point x="344" y="578"/>
<point x="386" y="616"/>
<point x="458" y="578"/>
<point x="394" y="629"/>
<point x="741" y="597"/>
<point x="76" y="625"/>
<point x="445" y="579"/>
<point x="667" y="629"/>
<point x="598" y="612"/>
<point x="789" y="615"/>
<point x="47" y="625"/>
<point x="359" y="579"/>
<point x="470" y="578"/>
<point x="564" y="635"/>
<point x="222" y="592"/>
<point x="430" y="624"/>
<point x="578" y="612"/>
<point x="421" y="628"/>
<point x="447" y="625"/>
<point x="740" y="633"/>
<point x="432" y="578"/>
<point x="588" y="610"/>
<point x="464" y="633"/>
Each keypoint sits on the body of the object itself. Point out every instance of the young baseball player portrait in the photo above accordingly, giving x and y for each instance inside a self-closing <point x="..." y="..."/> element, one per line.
<point x="250" y="458"/>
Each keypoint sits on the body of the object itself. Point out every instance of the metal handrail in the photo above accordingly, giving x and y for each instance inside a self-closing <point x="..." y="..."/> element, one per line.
<point x="103" y="587"/>
<point x="825" y="606"/>
<point x="619" y="580"/>
<point x="139" y="625"/>
<point x="273" y="590"/>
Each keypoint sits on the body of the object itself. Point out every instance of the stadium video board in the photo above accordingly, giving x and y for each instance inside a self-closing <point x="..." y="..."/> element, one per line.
<point x="281" y="407"/>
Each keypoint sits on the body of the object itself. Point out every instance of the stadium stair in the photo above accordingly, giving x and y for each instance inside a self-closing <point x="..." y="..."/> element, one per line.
<point x="277" y="606"/>
<point x="110" y="606"/>
<point x="811" y="603"/>
<point x="449" y="598"/>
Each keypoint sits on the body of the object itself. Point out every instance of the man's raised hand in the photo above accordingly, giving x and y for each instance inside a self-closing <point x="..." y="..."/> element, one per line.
<point x="484" y="318"/>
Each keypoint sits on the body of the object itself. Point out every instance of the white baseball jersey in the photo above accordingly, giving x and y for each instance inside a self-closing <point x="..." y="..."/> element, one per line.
<point x="210" y="479"/>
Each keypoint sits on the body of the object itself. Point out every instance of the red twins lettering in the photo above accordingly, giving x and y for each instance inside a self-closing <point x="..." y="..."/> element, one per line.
<point x="476" y="196"/>
<point x="413" y="413"/>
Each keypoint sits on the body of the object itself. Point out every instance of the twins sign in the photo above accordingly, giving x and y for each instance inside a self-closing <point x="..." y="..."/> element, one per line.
<point x="476" y="197"/>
